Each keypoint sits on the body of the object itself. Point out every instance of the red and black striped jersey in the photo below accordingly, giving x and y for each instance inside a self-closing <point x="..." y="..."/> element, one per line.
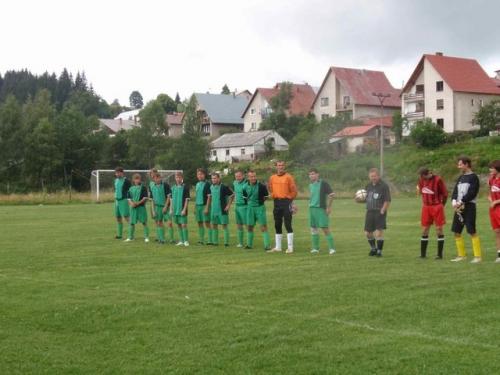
<point x="433" y="190"/>
<point x="494" y="183"/>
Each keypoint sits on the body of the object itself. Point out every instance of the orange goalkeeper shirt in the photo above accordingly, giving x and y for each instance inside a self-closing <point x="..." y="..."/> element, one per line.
<point x="282" y="187"/>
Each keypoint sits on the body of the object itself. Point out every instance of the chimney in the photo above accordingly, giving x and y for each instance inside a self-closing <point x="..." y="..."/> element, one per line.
<point x="120" y="124"/>
<point x="439" y="53"/>
<point x="498" y="74"/>
<point x="135" y="120"/>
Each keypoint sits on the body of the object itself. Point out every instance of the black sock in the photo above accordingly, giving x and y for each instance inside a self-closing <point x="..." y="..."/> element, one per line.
<point x="440" y="245"/>
<point x="371" y="241"/>
<point x="498" y="253"/>
<point x="380" y="244"/>
<point x="424" y="241"/>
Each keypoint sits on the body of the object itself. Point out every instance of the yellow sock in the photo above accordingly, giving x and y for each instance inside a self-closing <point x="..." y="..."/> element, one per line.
<point x="459" y="241"/>
<point x="476" y="246"/>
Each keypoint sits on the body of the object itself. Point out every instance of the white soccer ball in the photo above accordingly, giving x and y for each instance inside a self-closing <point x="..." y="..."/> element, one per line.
<point x="360" y="196"/>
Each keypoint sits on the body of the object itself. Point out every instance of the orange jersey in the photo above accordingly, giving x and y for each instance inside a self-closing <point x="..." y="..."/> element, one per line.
<point x="282" y="187"/>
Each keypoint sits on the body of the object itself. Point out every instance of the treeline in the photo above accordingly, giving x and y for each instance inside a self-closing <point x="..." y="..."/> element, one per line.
<point x="50" y="138"/>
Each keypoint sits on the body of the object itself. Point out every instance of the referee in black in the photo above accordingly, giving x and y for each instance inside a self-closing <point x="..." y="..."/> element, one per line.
<point x="378" y="199"/>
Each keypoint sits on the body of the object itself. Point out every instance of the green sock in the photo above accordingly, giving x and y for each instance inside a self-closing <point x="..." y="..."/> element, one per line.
<point x="185" y="234"/>
<point x="131" y="231"/>
<point x="171" y="233"/>
<point x="240" y="236"/>
<point x="211" y="235"/>
<point x="250" y="236"/>
<point x="119" y="229"/>
<point x="215" y="234"/>
<point x="267" y="240"/>
<point x="226" y="236"/>
<point x="162" y="234"/>
<point x="181" y="235"/>
<point x="201" y="234"/>
<point x="146" y="231"/>
<point x="315" y="241"/>
<point x="329" y="238"/>
<point x="158" y="233"/>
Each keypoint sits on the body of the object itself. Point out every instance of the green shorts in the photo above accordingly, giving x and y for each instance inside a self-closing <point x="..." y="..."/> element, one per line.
<point x="219" y="219"/>
<point x="159" y="215"/>
<point x="318" y="218"/>
<point x="138" y="215"/>
<point x="241" y="215"/>
<point x="199" y="213"/>
<point x="179" y="219"/>
<point x="256" y="215"/>
<point x="121" y="208"/>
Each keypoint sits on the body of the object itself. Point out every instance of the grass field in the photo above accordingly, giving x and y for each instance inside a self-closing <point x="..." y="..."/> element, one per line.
<point x="74" y="300"/>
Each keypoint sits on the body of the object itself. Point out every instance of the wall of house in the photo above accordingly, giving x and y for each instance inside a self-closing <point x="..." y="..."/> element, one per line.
<point x="258" y="104"/>
<point x="363" y="111"/>
<point x="411" y="106"/>
<point x="431" y="76"/>
<point x="465" y="109"/>
<point x="328" y="91"/>
<point x="175" y="131"/>
<point x="353" y="143"/>
<point x="221" y="153"/>
<point x="217" y="129"/>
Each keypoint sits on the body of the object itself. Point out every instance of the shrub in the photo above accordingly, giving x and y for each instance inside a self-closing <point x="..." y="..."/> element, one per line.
<point x="427" y="134"/>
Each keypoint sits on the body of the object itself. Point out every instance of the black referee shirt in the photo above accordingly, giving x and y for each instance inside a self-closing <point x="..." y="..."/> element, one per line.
<point x="377" y="195"/>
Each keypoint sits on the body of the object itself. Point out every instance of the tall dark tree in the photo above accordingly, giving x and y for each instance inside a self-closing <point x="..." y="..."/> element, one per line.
<point x="192" y="121"/>
<point x="177" y="98"/>
<point x="225" y="90"/>
<point x="64" y="88"/>
<point x="136" y="100"/>
<point x="167" y="103"/>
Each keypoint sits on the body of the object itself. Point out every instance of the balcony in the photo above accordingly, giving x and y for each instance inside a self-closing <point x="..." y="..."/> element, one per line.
<point x="344" y="106"/>
<point x="414" y="115"/>
<point x="265" y="112"/>
<point x="414" y="97"/>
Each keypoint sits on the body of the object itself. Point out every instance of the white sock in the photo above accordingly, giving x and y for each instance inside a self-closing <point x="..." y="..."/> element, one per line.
<point x="278" y="238"/>
<point x="290" y="240"/>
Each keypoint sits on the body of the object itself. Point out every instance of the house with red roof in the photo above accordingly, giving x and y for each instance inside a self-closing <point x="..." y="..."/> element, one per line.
<point x="174" y="124"/>
<point x="357" y="137"/>
<point x="448" y="90"/>
<point x="350" y="91"/>
<point x="259" y="106"/>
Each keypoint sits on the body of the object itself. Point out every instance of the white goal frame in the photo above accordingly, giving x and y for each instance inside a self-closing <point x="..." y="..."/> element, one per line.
<point x="97" y="172"/>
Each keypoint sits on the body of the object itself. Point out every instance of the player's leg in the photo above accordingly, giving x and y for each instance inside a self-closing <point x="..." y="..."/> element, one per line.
<point x="178" y="222"/>
<point x="250" y="237"/>
<point x="424" y="241"/>
<point x="470" y="225"/>
<point x="287" y="216"/>
<point x="278" y="226"/>
<point x="261" y="218"/>
<point x="324" y="223"/>
<point x="497" y="241"/>
<point x="379" y="237"/>
<point x="170" y="230"/>
<point x="440" y="242"/>
<point x="131" y="226"/>
<point x="457" y="227"/>
<point x="225" y="229"/>
<point x="185" y="233"/>
<point x="329" y="240"/>
<point x="313" y="225"/>
<point x="250" y="220"/>
<point x="201" y="225"/>
<point x="369" y="229"/>
<point x="143" y="218"/>
<point x="215" y="231"/>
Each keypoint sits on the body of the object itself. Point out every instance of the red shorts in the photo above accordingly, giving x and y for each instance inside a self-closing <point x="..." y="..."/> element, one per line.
<point x="433" y="215"/>
<point x="495" y="217"/>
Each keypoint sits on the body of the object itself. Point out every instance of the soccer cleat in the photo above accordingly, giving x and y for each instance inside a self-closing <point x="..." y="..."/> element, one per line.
<point x="314" y="251"/>
<point x="118" y="237"/>
<point x="173" y="242"/>
<point x="372" y="252"/>
<point x="289" y="251"/>
<point x="275" y="250"/>
<point x="332" y="251"/>
<point x="476" y="260"/>
<point x="497" y="260"/>
<point x="200" y="243"/>
<point x="438" y="257"/>
<point x="161" y="242"/>
<point x="128" y="240"/>
<point x="180" y="243"/>
<point x="458" y="259"/>
<point x="226" y="245"/>
<point x="146" y="240"/>
<point x="186" y="243"/>
<point x="379" y="253"/>
<point x="239" y="245"/>
<point x="250" y="248"/>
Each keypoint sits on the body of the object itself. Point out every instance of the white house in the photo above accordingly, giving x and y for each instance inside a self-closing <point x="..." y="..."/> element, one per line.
<point x="245" y="146"/>
<point x="448" y="90"/>
<point x="113" y="126"/>
<point x="129" y="115"/>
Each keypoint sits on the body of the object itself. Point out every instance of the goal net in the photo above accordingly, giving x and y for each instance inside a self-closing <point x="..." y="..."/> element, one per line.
<point x="102" y="181"/>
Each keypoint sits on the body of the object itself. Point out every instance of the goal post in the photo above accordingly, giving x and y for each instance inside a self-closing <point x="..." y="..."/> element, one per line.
<point x="102" y="180"/>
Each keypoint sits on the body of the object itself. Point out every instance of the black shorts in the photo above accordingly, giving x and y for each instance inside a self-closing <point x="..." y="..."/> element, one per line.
<point x="374" y="220"/>
<point x="467" y="219"/>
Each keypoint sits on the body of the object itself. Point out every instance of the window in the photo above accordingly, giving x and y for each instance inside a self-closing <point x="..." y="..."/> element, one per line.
<point x="419" y="89"/>
<point x="440" y="122"/>
<point x="214" y="152"/>
<point x="242" y="151"/>
<point x="481" y="102"/>
<point x="227" y="152"/>
<point x="205" y="129"/>
<point x="252" y="111"/>
<point x="324" y="102"/>
<point x="253" y="126"/>
<point x="440" y="104"/>
<point x="324" y="116"/>
<point x="472" y="102"/>
<point x="347" y="101"/>
<point x="439" y="86"/>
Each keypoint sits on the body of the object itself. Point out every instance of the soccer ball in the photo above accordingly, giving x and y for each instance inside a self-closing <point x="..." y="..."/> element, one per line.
<point x="360" y="196"/>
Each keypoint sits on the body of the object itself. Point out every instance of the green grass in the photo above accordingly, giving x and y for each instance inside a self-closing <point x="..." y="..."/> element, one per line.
<point x="74" y="300"/>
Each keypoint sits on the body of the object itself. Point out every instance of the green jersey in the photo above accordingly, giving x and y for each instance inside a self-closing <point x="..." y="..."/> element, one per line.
<point x="255" y="194"/>
<point x="122" y="185"/>
<point x="159" y="193"/>
<point x="202" y="190"/>
<point x="137" y="192"/>
<point x="219" y="198"/>
<point x="238" y="188"/>
<point x="179" y="195"/>
<point x="319" y="191"/>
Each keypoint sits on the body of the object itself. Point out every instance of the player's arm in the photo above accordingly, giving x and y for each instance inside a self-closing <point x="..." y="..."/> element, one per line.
<point x="209" y="202"/>
<point x="185" y="195"/>
<point x="265" y="191"/>
<point x="327" y="189"/>
<point x="231" y="196"/>
<point x="270" y="186"/>
<point x="444" y="192"/>
<point x="292" y="187"/>
<point x="144" y="196"/>
<point x="387" y="200"/>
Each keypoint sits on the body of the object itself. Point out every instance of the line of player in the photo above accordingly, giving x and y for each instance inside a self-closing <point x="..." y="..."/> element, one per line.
<point x="213" y="201"/>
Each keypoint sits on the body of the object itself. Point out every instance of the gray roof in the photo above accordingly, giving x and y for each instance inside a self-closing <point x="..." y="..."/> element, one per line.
<point x="116" y="125"/>
<point x="223" y="109"/>
<point x="240" y="139"/>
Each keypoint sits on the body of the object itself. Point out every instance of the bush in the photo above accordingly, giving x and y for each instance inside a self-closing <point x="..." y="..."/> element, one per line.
<point x="427" y="134"/>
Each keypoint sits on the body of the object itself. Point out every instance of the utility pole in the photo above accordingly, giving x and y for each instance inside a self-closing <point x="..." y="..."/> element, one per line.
<point x="381" y="98"/>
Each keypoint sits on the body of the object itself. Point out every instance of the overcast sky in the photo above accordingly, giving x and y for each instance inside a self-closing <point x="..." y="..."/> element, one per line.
<point x="198" y="45"/>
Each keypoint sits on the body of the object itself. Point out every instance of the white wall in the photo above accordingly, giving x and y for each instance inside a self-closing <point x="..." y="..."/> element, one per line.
<point x="258" y="104"/>
<point x="328" y="91"/>
<point x="465" y="110"/>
